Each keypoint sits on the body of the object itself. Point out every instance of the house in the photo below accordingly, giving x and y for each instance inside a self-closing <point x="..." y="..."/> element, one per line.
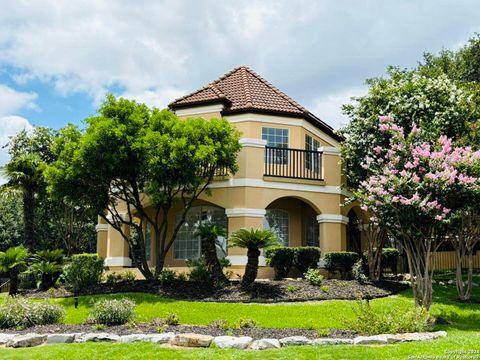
<point x="289" y="177"/>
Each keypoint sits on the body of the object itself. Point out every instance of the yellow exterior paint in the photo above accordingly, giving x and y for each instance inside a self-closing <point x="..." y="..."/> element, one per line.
<point x="249" y="189"/>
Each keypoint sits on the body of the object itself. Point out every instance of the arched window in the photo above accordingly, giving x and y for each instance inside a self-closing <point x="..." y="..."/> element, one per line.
<point x="277" y="221"/>
<point x="187" y="245"/>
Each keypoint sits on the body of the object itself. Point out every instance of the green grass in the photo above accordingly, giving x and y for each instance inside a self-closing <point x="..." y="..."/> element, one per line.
<point x="463" y="331"/>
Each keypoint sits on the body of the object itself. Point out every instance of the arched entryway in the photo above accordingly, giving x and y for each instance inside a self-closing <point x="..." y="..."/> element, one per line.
<point x="294" y="221"/>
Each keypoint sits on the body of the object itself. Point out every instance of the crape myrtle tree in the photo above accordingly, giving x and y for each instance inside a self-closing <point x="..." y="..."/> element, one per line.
<point x="410" y="186"/>
<point x="134" y="166"/>
<point x="432" y="101"/>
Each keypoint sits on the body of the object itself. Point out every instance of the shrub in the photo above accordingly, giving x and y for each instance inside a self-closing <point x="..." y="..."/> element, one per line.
<point x="281" y="259"/>
<point x="292" y="289"/>
<point x="111" y="278"/>
<point x="341" y="261"/>
<point x="245" y="323"/>
<point x="199" y="271"/>
<point x="113" y="312"/>
<point x="368" y="321"/>
<point x="357" y="272"/>
<point x="306" y="257"/>
<point x="83" y="271"/>
<point x="172" y="319"/>
<point x="167" y="276"/>
<point x="221" y="324"/>
<point x="390" y="259"/>
<point x="128" y="275"/>
<point x="47" y="267"/>
<point x="20" y="313"/>
<point x="314" y="277"/>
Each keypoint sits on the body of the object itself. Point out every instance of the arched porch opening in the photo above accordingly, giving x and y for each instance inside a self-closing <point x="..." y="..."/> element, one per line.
<point x="354" y="235"/>
<point x="293" y="220"/>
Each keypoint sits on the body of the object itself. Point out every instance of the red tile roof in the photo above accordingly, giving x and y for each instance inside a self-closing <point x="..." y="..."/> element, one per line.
<point x="242" y="90"/>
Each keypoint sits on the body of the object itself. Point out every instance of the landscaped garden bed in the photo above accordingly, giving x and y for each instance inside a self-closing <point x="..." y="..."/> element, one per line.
<point x="261" y="291"/>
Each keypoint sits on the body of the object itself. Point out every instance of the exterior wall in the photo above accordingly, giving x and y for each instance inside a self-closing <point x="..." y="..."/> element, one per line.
<point x="247" y="194"/>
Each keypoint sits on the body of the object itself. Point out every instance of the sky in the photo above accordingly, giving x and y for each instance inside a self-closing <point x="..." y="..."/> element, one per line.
<point x="59" y="58"/>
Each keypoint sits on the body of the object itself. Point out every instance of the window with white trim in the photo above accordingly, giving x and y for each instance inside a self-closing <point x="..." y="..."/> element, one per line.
<point x="277" y="220"/>
<point x="187" y="245"/>
<point x="312" y="161"/>
<point x="277" y="138"/>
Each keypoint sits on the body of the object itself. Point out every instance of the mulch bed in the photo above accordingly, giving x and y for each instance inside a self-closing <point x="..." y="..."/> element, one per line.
<point x="287" y="290"/>
<point x="150" y="328"/>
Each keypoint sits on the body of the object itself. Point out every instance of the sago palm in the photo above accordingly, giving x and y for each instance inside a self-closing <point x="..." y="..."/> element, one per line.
<point x="253" y="240"/>
<point x="47" y="267"/>
<point x="12" y="262"/>
<point x="208" y="234"/>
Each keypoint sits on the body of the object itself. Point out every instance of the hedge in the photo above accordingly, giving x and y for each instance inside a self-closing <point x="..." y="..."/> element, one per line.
<point x="341" y="261"/>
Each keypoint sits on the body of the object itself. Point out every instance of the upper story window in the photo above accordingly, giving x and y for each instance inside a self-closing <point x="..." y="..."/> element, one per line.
<point x="312" y="160"/>
<point x="277" y="138"/>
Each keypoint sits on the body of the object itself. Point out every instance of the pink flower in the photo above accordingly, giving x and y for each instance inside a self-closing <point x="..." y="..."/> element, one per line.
<point x="378" y="149"/>
<point x="364" y="207"/>
<point x="383" y="118"/>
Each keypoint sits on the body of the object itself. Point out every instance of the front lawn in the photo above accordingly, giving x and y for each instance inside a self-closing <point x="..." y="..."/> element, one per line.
<point x="463" y="330"/>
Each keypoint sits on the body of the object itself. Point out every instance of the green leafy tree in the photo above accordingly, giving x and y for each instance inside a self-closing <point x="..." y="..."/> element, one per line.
<point x="439" y="106"/>
<point x="11" y="222"/>
<point x="134" y="165"/>
<point x="12" y="262"/>
<point x="253" y="240"/>
<point x="209" y="234"/>
<point x="25" y="174"/>
<point x="462" y="65"/>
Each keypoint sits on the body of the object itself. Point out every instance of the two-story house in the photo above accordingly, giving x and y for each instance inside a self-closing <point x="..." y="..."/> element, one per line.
<point x="289" y="177"/>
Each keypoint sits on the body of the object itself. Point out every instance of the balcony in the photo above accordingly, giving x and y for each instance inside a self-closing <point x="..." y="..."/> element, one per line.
<point x="293" y="163"/>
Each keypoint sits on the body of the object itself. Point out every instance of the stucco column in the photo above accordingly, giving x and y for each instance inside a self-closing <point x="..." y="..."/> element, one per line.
<point x="239" y="218"/>
<point x="251" y="159"/>
<point x="117" y="248"/>
<point x="331" y="165"/>
<point x="102" y="232"/>
<point x="333" y="232"/>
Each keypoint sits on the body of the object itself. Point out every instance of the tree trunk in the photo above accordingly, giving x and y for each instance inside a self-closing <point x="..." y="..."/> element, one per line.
<point x="13" y="275"/>
<point x="28" y="219"/>
<point x="209" y="251"/>
<point x="468" y="293"/>
<point x="458" y="274"/>
<point x="251" y="268"/>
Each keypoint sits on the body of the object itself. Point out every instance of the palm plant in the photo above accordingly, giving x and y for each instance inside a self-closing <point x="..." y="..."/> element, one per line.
<point x="47" y="267"/>
<point x="25" y="174"/>
<point x="253" y="240"/>
<point x="208" y="234"/>
<point x="12" y="262"/>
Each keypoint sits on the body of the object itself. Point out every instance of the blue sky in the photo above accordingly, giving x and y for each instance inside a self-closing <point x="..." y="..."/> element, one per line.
<point x="59" y="58"/>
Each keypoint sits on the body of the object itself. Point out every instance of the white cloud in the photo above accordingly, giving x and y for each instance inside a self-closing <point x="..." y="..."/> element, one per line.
<point x="330" y="106"/>
<point x="10" y="125"/>
<point x="156" y="98"/>
<point x="11" y="101"/>
<point x="313" y="50"/>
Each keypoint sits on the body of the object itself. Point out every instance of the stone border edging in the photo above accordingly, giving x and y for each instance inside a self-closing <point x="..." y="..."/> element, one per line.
<point x="204" y="341"/>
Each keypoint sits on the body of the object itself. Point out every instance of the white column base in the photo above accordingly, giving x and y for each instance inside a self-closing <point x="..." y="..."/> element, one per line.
<point x="118" y="261"/>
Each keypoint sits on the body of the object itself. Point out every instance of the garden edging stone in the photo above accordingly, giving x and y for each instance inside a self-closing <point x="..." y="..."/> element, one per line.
<point x="232" y="342"/>
<point x="200" y="340"/>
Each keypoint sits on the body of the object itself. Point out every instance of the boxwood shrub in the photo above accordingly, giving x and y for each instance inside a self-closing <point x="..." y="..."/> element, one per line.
<point x="281" y="259"/>
<point x="83" y="271"/>
<point x="341" y="261"/>
<point x="306" y="257"/>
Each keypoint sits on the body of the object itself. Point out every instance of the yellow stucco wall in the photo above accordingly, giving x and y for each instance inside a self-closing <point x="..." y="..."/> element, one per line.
<point x="249" y="189"/>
